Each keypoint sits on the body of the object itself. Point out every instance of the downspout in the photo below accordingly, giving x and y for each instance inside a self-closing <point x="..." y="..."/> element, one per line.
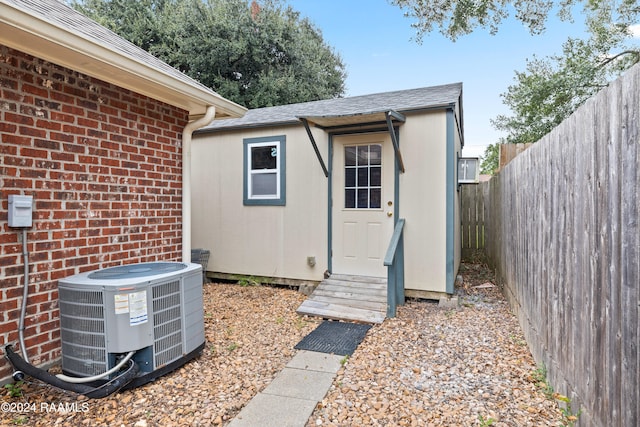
<point x="187" y="134"/>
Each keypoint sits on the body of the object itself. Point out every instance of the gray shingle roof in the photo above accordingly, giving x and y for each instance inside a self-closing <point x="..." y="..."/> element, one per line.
<point x="60" y="15"/>
<point x="401" y="101"/>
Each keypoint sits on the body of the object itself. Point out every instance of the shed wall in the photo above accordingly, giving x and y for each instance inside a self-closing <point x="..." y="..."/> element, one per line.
<point x="422" y="201"/>
<point x="272" y="241"/>
<point x="275" y="241"/>
<point x="103" y="165"/>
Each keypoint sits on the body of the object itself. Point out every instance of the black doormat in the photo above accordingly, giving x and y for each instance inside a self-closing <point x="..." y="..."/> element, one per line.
<point x="334" y="337"/>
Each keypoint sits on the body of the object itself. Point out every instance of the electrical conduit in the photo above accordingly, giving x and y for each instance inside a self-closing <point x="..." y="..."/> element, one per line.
<point x="25" y="295"/>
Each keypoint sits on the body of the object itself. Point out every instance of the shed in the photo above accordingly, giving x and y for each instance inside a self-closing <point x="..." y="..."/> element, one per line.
<point x="305" y="191"/>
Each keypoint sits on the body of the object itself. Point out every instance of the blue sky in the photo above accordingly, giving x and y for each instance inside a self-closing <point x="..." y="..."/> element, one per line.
<point x="376" y="43"/>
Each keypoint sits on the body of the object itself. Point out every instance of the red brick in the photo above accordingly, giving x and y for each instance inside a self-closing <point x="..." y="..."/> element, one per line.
<point x="76" y="130"/>
<point x="8" y="127"/>
<point x="106" y="178"/>
<point x="62" y="137"/>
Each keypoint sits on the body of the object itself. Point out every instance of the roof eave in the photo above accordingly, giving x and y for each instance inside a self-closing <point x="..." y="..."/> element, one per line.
<point x="27" y="33"/>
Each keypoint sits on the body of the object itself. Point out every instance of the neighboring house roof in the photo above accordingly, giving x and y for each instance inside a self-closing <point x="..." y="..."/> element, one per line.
<point x="53" y="31"/>
<point x="365" y="106"/>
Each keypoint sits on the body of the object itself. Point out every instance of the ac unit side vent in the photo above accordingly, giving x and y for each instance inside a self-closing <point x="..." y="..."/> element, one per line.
<point x="166" y="316"/>
<point x="81" y="296"/>
<point x="95" y="326"/>
<point x="85" y="367"/>
<point x="167" y="322"/>
<point x="82" y="331"/>
<point x="82" y="339"/>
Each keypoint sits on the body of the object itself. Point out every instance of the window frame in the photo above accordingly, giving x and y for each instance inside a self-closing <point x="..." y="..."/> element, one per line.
<point x="279" y="199"/>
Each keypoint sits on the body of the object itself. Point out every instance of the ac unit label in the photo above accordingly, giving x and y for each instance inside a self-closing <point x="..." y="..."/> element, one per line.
<point x="134" y="303"/>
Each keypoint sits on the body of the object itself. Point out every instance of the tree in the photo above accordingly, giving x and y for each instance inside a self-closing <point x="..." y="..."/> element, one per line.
<point x="551" y="89"/>
<point x="490" y="159"/>
<point x="256" y="54"/>
<point x="458" y="18"/>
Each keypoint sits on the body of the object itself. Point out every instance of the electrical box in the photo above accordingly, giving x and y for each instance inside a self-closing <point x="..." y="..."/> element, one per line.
<point x="20" y="211"/>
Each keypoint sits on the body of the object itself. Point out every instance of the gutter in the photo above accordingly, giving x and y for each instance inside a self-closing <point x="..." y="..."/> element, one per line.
<point x="187" y="135"/>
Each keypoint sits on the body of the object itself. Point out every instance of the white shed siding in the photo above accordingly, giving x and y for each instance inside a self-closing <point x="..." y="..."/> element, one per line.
<point x="260" y="240"/>
<point x="423" y="200"/>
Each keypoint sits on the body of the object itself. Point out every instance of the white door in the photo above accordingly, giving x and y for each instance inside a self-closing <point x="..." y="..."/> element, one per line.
<point x="363" y="195"/>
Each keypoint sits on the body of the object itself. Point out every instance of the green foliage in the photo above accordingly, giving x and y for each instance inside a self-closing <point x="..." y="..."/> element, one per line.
<point x="539" y="377"/>
<point x="552" y="88"/>
<point x="20" y="420"/>
<point x="568" y="417"/>
<point x="248" y="281"/>
<point x="459" y="18"/>
<point x="485" y="422"/>
<point x="14" y="389"/>
<point x="256" y="54"/>
<point x="490" y="159"/>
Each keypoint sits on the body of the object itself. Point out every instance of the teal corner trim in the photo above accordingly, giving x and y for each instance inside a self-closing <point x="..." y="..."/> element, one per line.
<point x="450" y="200"/>
<point x="330" y="206"/>
<point x="282" y="200"/>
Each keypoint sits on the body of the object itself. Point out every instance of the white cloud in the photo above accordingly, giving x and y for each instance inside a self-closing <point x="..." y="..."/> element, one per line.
<point x="635" y="31"/>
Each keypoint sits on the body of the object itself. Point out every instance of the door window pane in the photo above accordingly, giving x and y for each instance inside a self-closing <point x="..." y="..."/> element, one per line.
<point x="363" y="177"/>
<point x="350" y="198"/>
<point x="363" y="198"/>
<point x="350" y="177"/>
<point x="363" y="155"/>
<point x="374" y="198"/>
<point x="376" y="176"/>
<point x="350" y="156"/>
<point x="375" y="154"/>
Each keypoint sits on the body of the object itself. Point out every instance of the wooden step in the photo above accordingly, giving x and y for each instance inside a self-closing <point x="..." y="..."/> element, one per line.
<point x="354" y="298"/>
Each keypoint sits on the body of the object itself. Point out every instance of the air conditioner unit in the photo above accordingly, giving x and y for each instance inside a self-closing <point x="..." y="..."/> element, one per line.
<point x="154" y="309"/>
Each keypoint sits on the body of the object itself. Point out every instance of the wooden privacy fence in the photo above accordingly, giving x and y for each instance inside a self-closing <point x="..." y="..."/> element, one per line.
<point x="473" y="214"/>
<point x="563" y="235"/>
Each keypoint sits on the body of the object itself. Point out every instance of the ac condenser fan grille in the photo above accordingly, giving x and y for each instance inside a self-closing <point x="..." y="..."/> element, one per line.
<point x="131" y="271"/>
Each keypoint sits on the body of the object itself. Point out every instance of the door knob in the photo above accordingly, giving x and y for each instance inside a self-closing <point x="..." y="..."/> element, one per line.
<point x="389" y="214"/>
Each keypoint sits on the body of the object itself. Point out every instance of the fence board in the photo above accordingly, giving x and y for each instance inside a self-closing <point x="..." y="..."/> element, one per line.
<point x="473" y="217"/>
<point x="562" y="229"/>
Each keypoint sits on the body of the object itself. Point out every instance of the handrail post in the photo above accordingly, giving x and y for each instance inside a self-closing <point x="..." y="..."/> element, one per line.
<point x="392" y="295"/>
<point x="400" y="272"/>
<point x="394" y="260"/>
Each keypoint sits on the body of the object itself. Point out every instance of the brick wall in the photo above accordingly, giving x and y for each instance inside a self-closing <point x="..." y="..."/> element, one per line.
<point x="103" y="165"/>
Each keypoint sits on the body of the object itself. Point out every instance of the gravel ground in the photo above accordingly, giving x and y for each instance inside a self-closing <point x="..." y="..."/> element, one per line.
<point x="467" y="366"/>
